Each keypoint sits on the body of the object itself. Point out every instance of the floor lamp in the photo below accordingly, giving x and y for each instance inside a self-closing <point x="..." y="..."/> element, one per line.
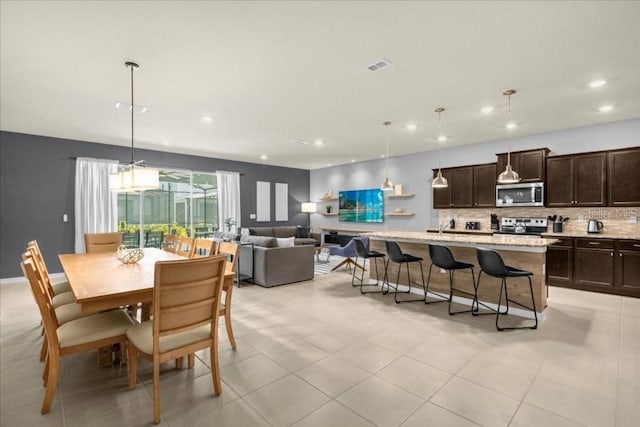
<point x="309" y="208"/>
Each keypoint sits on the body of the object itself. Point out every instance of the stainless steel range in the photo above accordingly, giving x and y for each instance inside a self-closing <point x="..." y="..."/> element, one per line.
<point x="526" y="227"/>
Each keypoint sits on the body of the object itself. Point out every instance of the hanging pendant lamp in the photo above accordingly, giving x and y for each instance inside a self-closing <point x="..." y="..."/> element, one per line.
<point x="387" y="185"/>
<point x="440" y="181"/>
<point x="134" y="176"/>
<point x="509" y="176"/>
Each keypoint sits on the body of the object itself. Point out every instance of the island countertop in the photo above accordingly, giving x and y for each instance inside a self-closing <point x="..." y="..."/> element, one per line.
<point x="525" y="244"/>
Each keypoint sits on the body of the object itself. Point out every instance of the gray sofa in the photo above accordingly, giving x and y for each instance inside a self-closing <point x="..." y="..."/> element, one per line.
<point x="273" y="265"/>
<point x="284" y="231"/>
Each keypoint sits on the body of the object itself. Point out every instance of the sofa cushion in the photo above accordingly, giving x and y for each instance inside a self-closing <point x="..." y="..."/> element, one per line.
<point x="261" y="231"/>
<point x="264" y="241"/>
<point x="299" y="241"/>
<point x="285" y="231"/>
<point x="285" y="242"/>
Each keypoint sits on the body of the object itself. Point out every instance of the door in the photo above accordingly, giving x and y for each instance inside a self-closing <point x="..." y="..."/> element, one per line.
<point x="442" y="196"/>
<point x="624" y="181"/>
<point x="627" y="277"/>
<point x="590" y="178"/>
<point x="484" y="186"/>
<point x="560" y="263"/>
<point x="593" y="262"/>
<point x="462" y="187"/>
<point x="559" y="181"/>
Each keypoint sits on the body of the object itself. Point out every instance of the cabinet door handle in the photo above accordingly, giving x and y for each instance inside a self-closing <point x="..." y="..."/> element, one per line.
<point x="636" y="245"/>
<point x="594" y="243"/>
<point x="620" y="254"/>
<point x="611" y="253"/>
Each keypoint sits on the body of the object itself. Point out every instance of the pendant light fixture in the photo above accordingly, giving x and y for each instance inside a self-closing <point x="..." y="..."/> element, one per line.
<point x="509" y="176"/>
<point x="134" y="176"/>
<point x="440" y="181"/>
<point x="387" y="185"/>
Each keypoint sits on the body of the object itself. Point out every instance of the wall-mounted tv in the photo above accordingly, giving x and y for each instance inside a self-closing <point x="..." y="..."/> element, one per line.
<point x="361" y="205"/>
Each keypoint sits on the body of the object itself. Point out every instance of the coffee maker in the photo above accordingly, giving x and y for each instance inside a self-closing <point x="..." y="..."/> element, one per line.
<point x="494" y="222"/>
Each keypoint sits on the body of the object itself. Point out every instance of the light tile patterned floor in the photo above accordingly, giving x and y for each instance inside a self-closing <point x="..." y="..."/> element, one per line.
<point x="320" y="354"/>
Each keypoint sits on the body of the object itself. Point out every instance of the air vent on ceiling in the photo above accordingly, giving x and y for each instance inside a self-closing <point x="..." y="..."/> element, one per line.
<point x="301" y="142"/>
<point x="379" y="64"/>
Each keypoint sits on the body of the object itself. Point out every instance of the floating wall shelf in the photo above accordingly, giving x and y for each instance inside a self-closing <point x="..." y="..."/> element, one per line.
<point x="400" y="214"/>
<point x="400" y="196"/>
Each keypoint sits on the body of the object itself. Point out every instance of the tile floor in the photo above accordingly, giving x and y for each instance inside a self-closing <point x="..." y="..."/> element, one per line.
<point x="320" y="354"/>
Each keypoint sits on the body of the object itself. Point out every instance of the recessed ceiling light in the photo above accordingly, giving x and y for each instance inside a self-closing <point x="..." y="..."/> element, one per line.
<point x="488" y="109"/>
<point x="605" y="108"/>
<point x="382" y="156"/>
<point x="166" y="143"/>
<point x="353" y="160"/>
<point x="264" y="157"/>
<point x="329" y="165"/>
<point x="597" y="83"/>
<point x="411" y="126"/>
<point x="207" y="119"/>
<point x="511" y="125"/>
<point x="442" y="138"/>
<point x="318" y="142"/>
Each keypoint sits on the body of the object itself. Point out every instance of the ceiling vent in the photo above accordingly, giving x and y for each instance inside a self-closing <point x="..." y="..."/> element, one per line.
<point x="379" y="64"/>
<point x="301" y="142"/>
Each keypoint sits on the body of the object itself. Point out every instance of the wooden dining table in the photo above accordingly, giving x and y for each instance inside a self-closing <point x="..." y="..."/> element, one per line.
<point x="100" y="281"/>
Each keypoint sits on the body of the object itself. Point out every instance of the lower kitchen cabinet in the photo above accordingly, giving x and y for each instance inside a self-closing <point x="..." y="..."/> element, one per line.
<point x="601" y="265"/>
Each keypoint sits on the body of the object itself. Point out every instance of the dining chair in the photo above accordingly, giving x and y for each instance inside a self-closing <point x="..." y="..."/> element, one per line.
<point x="102" y="242"/>
<point x="60" y="297"/>
<point x="185" y="248"/>
<point x="362" y="251"/>
<point x="80" y="335"/>
<point x="171" y="243"/>
<point x="230" y="251"/>
<point x="203" y="247"/>
<point x="186" y="301"/>
<point x="348" y="251"/>
<point x="56" y="288"/>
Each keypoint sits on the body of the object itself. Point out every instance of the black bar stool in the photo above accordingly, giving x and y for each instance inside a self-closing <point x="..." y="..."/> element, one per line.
<point x="394" y="254"/>
<point x="362" y="251"/>
<point x="442" y="257"/>
<point x="491" y="263"/>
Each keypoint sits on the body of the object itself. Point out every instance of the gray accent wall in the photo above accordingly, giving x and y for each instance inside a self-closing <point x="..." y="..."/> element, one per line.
<point x="414" y="171"/>
<point x="37" y="176"/>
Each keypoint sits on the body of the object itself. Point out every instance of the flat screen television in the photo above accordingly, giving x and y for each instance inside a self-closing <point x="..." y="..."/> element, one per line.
<point x="361" y="205"/>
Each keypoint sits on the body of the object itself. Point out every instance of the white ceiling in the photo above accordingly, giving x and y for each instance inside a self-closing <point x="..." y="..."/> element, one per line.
<point x="271" y="72"/>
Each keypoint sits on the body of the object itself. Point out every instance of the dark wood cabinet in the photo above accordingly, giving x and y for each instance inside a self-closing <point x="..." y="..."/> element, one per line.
<point x="469" y="187"/>
<point x="627" y="266"/>
<point x="601" y="265"/>
<point x="577" y="180"/>
<point x="442" y="196"/>
<point x="560" y="263"/>
<point x="593" y="263"/>
<point x="462" y="187"/>
<point x="624" y="177"/>
<point x="530" y="164"/>
<point x="484" y="186"/>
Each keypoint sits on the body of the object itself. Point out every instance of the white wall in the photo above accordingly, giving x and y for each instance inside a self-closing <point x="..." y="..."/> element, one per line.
<point x="414" y="171"/>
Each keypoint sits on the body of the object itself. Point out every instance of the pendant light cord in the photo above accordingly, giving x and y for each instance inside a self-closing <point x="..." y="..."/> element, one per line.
<point x="387" y="154"/>
<point x="132" y="108"/>
<point x="508" y="130"/>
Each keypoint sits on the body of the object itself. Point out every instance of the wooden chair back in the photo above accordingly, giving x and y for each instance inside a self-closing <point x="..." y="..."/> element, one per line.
<point x="43" y="299"/>
<point x="171" y="243"/>
<point x="186" y="295"/>
<point x="230" y="251"/>
<point x="34" y="250"/>
<point x="185" y="248"/>
<point x="203" y="247"/>
<point x="102" y="242"/>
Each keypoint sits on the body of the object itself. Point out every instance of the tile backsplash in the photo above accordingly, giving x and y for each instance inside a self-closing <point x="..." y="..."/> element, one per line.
<point x="616" y="220"/>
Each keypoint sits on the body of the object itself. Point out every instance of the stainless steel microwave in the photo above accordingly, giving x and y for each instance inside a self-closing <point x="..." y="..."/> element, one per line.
<point x="515" y="195"/>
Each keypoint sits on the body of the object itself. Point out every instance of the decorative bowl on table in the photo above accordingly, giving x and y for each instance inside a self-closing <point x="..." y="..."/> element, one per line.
<point x="129" y="256"/>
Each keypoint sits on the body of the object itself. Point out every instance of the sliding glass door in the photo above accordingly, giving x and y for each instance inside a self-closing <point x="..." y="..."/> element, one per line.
<point x="186" y="204"/>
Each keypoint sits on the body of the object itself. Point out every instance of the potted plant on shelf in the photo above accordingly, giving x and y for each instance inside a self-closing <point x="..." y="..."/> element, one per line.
<point x="229" y="222"/>
<point x="328" y="208"/>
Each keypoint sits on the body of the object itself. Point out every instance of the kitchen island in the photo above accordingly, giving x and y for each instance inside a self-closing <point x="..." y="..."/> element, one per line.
<point x="520" y="252"/>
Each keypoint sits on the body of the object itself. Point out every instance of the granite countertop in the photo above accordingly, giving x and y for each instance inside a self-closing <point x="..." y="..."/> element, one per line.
<point x="463" y="238"/>
<point x="619" y="235"/>
<point x="461" y="231"/>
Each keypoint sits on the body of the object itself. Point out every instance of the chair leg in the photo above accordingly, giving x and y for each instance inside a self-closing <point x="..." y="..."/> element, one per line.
<point x="409" y="282"/>
<point x="227" y="319"/>
<point x="426" y="290"/>
<point x="354" y="278"/>
<point x="452" y="290"/>
<point x="179" y="362"/>
<point x="533" y="308"/>
<point x="191" y="360"/>
<point x="346" y="261"/>
<point x="53" y="372"/>
<point x="43" y="349"/>
<point x="215" y="368"/>
<point x="156" y="391"/>
<point x="132" y="356"/>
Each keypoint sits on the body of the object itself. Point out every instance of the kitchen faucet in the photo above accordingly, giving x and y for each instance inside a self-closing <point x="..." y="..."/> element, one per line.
<point x="442" y="227"/>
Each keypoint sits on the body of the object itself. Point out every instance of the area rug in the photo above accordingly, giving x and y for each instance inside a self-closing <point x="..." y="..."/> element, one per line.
<point x="325" y="267"/>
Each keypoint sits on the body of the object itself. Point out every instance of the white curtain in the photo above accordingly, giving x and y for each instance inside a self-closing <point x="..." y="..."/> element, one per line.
<point x="96" y="208"/>
<point x="228" y="199"/>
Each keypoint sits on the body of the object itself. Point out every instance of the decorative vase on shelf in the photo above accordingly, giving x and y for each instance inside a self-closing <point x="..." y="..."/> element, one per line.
<point x="328" y="208"/>
<point x="398" y="189"/>
<point x="328" y="194"/>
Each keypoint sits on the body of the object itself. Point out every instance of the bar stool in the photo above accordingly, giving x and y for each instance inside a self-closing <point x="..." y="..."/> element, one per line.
<point x="394" y="254"/>
<point x="362" y="251"/>
<point x="442" y="257"/>
<point x="491" y="264"/>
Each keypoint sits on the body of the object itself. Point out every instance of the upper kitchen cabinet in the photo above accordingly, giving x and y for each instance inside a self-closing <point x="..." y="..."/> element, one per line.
<point x="624" y="177"/>
<point x="529" y="164"/>
<point x="577" y="180"/>
<point x="469" y="187"/>
<point x="484" y="186"/>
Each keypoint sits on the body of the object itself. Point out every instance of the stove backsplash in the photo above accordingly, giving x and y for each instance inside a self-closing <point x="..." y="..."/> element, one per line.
<point x="615" y="220"/>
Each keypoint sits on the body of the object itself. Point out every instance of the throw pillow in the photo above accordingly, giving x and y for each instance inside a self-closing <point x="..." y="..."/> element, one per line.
<point x="287" y="242"/>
